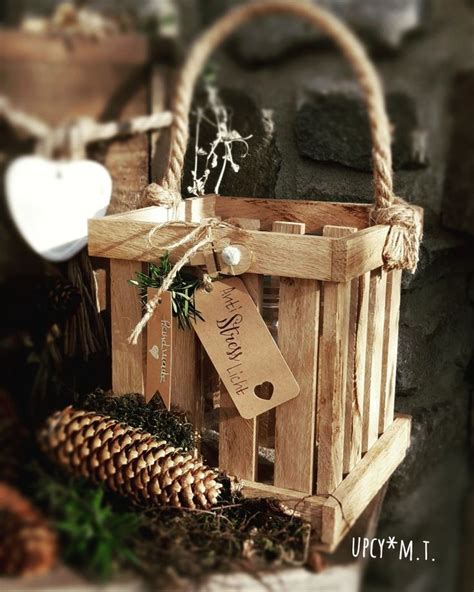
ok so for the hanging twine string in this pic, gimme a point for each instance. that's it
(200, 236)
(403, 240)
(73, 138)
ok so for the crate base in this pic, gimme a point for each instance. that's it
(332, 516)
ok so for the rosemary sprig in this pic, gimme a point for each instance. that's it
(183, 290)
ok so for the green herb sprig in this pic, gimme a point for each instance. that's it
(182, 290)
(95, 535)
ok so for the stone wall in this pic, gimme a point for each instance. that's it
(291, 90)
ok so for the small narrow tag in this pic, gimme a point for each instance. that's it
(159, 349)
(242, 349)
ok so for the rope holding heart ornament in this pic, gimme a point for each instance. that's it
(403, 241)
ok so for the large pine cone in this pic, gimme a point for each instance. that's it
(27, 544)
(128, 460)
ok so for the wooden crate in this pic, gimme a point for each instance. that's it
(338, 442)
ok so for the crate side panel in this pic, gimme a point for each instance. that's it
(238, 448)
(273, 253)
(128, 361)
(332, 373)
(373, 369)
(298, 324)
(356, 388)
(315, 215)
(355, 493)
(390, 348)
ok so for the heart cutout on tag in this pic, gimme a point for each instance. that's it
(50, 202)
(264, 390)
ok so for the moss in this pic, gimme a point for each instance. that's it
(166, 545)
(153, 417)
(249, 534)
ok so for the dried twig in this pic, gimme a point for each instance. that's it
(218, 116)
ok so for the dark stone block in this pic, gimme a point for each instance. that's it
(458, 204)
(334, 128)
(431, 366)
(430, 512)
(258, 171)
(443, 253)
(438, 431)
(382, 24)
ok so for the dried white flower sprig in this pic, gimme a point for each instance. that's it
(217, 115)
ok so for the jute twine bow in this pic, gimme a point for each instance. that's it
(72, 138)
(199, 236)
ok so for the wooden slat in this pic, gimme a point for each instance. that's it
(373, 372)
(18, 46)
(359, 252)
(311, 257)
(332, 373)
(101, 278)
(127, 360)
(350, 499)
(298, 323)
(238, 447)
(188, 209)
(159, 363)
(354, 416)
(390, 347)
(186, 381)
(315, 215)
(274, 254)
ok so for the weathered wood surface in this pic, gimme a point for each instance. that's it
(20, 46)
(298, 325)
(349, 371)
(349, 500)
(332, 375)
(105, 80)
(315, 215)
(128, 361)
(274, 254)
(374, 358)
(390, 349)
(238, 449)
(356, 382)
(127, 236)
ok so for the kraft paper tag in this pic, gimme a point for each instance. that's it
(242, 349)
(159, 349)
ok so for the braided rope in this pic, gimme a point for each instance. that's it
(73, 137)
(401, 249)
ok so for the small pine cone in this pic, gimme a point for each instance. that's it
(128, 460)
(27, 546)
(63, 297)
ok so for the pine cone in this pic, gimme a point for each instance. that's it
(128, 460)
(63, 297)
(27, 545)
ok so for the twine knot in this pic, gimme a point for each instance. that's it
(401, 250)
(158, 195)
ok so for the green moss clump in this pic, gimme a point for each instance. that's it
(153, 417)
(96, 534)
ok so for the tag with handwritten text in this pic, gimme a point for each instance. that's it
(242, 349)
(159, 349)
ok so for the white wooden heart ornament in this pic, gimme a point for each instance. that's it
(50, 202)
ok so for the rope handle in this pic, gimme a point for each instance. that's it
(321, 19)
(401, 250)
